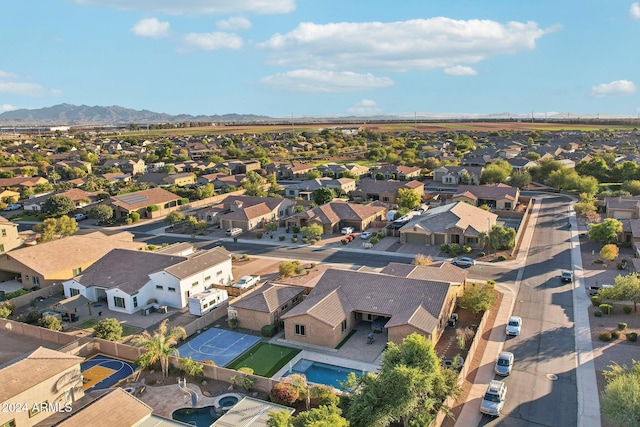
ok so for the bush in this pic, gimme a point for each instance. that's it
(595, 300)
(183, 201)
(152, 208)
(455, 249)
(281, 238)
(466, 249)
(284, 394)
(615, 334)
(481, 254)
(632, 336)
(191, 367)
(30, 317)
(6, 309)
(606, 308)
(373, 240)
(108, 329)
(622, 325)
(296, 230)
(597, 313)
(605, 336)
(135, 216)
(268, 330)
(627, 309)
(444, 248)
(52, 322)
(380, 235)
(502, 258)
(295, 236)
(259, 235)
(294, 239)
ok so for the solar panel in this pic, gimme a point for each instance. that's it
(133, 198)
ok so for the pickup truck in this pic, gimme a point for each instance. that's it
(246, 282)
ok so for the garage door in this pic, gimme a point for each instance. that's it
(622, 214)
(415, 238)
(439, 239)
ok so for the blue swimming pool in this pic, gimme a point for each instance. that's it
(200, 417)
(322, 373)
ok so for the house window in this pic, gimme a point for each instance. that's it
(118, 302)
(36, 409)
(171, 289)
(4, 232)
(284, 308)
(36, 281)
(74, 291)
(135, 302)
(76, 271)
(507, 205)
(207, 278)
(195, 284)
(344, 325)
(300, 330)
(219, 273)
(385, 198)
(159, 287)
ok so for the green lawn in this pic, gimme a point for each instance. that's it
(264, 358)
(127, 330)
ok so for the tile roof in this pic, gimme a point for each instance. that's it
(341, 291)
(470, 219)
(144, 198)
(70, 252)
(495, 191)
(33, 368)
(198, 262)
(268, 298)
(440, 271)
(333, 212)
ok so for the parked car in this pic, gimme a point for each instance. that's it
(347, 230)
(80, 216)
(566, 276)
(504, 363)
(463, 261)
(514, 325)
(234, 231)
(494, 398)
(246, 282)
(13, 207)
(366, 234)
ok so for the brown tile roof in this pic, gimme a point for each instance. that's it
(24, 373)
(70, 252)
(341, 291)
(144, 198)
(333, 212)
(268, 298)
(440, 271)
(21, 181)
(470, 219)
(495, 191)
(199, 262)
(115, 407)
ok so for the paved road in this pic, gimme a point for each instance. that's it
(542, 388)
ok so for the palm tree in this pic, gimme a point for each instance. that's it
(159, 346)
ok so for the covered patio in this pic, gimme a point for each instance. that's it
(70, 306)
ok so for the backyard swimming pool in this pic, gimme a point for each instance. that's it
(200, 417)
(321, 373)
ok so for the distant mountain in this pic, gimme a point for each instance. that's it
(68, 114)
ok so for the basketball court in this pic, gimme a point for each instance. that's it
(219, 345)
(100, 372)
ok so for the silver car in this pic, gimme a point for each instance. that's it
(514, 326)
(504, 363)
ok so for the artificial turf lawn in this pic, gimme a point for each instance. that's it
(265, 359)
(127, 330)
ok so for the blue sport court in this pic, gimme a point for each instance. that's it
(219, 345)
(100, 372)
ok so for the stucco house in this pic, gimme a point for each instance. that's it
(385, 191)
(334, 215)
(128, 281)
(496, 196)
(440, 271)
(457, 222)
(246, 212)
(399, 172)
(9, 237)
(265, 305)
(623, 207)
(458, 175)
(144, 200)
(132, 167)
(343, 300)
(305, 189)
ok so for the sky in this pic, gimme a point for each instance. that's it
(301, 58)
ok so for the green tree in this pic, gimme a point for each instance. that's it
(632, 186)
(532, 155)
(501, 238)
(605, 232)
(52, 322)
(323, 195)
(159, 346)
(496, 172)
(254, 185)
(57, 205)
(312, 231)
(543, 170)
(477, 298)
(620, 400)
(205, 191)
(289, 268)
(520, 179)
(54, 228)
(625, 288)
(596, 167)
(313, 174)
(108, 329)
(407, 198)
(174, 217)
(609, 252)
(275, 187)
(102, 213)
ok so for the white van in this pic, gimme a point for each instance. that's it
(234, 232)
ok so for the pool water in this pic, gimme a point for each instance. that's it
(201, 417)
(227, 402)
(322, 373)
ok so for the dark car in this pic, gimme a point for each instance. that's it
(566, 276)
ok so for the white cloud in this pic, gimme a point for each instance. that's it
(366, 107)
(460, 70)
(151, 27)
(6, 107)
(234, 23)
(213, 41)
(634, 12)
(178, 7)
(12, 84)
(400, 46)
(325, 81)
(615, 88)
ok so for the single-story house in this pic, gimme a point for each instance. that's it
(264, 305)
(334, 215)
(246, 212)
(150, 203)
(458, 175)
(496, 196)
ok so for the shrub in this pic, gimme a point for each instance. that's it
(481, 254)
(6, 309)
(632, 336)
(295, 236)
(268, 330)
(373, 240)
(135, 216)
(627, 309)
(620, 266)
(152, 208)
(444, 248)
(597, 313)
(595, 300)
(455, 249)
(606, 308)
(304, 239)
(259, 235)
(622, 325)
(108, 329)
(294, 239)
(502, 258)
(466, 249)
(296, 230)
(615, 334)
(17, 293)
(281, 238)
(30, 317)
(52, 322)
(191, 367)
(183, 201)
(605, 336)
(380, 234)
(284, 394)
(244, 381)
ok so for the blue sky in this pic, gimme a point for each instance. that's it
(286, 58)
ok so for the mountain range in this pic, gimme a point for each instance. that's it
(70, 115)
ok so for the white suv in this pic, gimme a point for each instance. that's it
(493, 399)
(347, 230)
